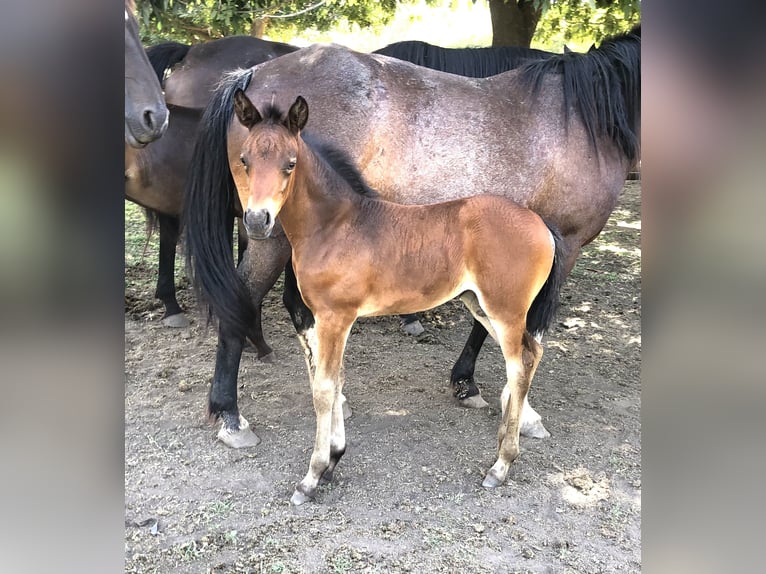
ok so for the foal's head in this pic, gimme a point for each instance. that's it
(269, 157)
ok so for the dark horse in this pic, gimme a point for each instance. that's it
(146, 116)
(557, 135)
(355, 255)
(155, 176)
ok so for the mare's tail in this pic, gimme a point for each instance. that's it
(164, 56)
(210, 199)
(544, 307)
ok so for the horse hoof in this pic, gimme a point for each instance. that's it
(243, 437)
(268, 358)
(346, 411)
(534, 429)
(176, 321)
(491, 481)
(414, 328)
(474, 402)
(299, 498)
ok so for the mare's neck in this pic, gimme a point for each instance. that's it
(317, 199)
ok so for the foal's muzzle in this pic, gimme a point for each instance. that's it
(258, 223)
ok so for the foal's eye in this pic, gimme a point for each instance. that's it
(290, 166)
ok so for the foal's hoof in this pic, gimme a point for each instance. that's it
(533, 429)
(177, 321)
(243, 437)
(474, 402)
(491, 481)
(299, 498)
(414, 328)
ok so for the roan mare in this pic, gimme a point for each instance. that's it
(146, 116)
(556, 135)
(355, 255)
(154, 178)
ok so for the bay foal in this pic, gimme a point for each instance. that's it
(354, 255)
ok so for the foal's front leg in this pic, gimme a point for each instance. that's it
(330, 440)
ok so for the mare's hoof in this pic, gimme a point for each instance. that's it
(268, 358)
(346, 411)
(177, 321)
(299, 498)
(490, 481)
(474, 402)
(534, 429)
(243, 437)
(414, 328)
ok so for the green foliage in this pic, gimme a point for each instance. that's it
(580, 23)
(199, 20)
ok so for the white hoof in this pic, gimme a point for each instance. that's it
(534, 429)
(531, 422)
(474, 402)
(299, 498)
(176, 321)
(242, 438)
(346, 410)
(414, 328)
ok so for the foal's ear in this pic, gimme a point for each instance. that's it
(298, 115)
(245, 110)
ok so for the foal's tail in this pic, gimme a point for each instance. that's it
(544, 307)
(164, 56)
(210, 197)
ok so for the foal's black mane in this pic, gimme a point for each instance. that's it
(335, 158)
(602, 85)
(469, 62)
(341, 163)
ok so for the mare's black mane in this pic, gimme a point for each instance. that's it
(602, 85)
(470, 62)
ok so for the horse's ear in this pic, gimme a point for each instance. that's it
(245, 110)
(298, 115)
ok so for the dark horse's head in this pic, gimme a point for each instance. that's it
(269, 157)
(146, 115)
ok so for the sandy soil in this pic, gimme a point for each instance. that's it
(407, 496)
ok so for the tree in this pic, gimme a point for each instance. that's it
(198, 20)
(517, 22)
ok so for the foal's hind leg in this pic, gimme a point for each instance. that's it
(522, 356)
(465, 387)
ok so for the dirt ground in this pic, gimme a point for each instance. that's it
(407, 496)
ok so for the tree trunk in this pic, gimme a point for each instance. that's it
(258, 27)
(513, 22)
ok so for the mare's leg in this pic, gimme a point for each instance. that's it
(166, 286)
(522, 355)
(260, 268)
(411, 324)
(330, 441)
(461, 377)
(463, 382)
(303, 321)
